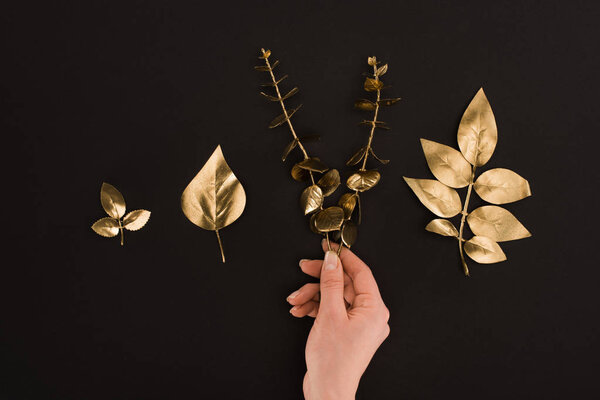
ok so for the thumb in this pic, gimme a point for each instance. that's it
(332, 286)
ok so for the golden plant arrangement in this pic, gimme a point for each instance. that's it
(114, 204)
(477, 137)
(336, 219)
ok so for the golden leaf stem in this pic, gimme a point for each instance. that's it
(373, 123)
(220, 245)
(462, 222)
(121, 231)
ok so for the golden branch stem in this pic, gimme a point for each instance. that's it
(220, 245)
(462, 222)
(373, 122)
(121, 231)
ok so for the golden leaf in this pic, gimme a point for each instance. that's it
(313, 164)
(437, 197)
(300, 174)
(282, 118)
(215, 197)
(377, 158)
(484, 250)
(112, 201)
(388, 102)
(372, 85)
(496, 223)
(365, 105)
(349, 233)
(135, 220)
(347, 201)
(290, 93)
(442, 227)
(378, 124)
(447, 164)
(356, 157)
(276, 63)
(288, 148)
(329, 219)
(312, 225)
(382, 70)
(311, 199)
(329, 182)
(277, 82)
(265, 54)
(501, 185)
(372, 61)
(262, 68)
(363, 180)
(107, 227)
(268, 96)
(477, 132)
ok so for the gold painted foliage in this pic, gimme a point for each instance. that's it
(215, 198)
(477, 137)
(114, 204)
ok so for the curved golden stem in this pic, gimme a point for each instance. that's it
(462, 222)
(220, 245)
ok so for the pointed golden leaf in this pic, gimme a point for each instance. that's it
(349, 233)
(112, 201)
(437, 197)
(288, 148)
(268, 96)
(365, 105)
(313, 164)
(442, 227)
(329, 219)
(372, 61)
(136, 220)
(496, 223)
(372, 85)
(348, 201)
(501, 185)
(377, 158)
(388, 102)
(276, 63)
(382, 70)
(363, 180)
(311, 199)
(276, 82)
(281, 119)
(262, 68)
(477, 132)
(484, 250)
(329, 182)
(215, 197)
(356, 157)
(107, 227)
(447, 164)
(300, 174)
(290, 93)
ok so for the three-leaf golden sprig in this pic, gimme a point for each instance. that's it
(477, 137)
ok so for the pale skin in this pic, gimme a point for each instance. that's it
(351, 322)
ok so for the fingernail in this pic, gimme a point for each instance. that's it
(301, 261)
(291, 296)
(330, 261)
(293, 309)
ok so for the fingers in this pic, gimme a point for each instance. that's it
(310, 291)
(310, 308)
(313, 268)
(332, 288)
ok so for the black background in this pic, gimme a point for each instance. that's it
(139, 94)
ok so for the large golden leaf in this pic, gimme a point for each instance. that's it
(496, 223)
(442, 227)
(329, 219)
(447, 164)
(477, 132)
(363, 180)
(112, 201)
(300, 174)
(348, 201)
(484, 250)
(437, 197)
(349, 233)
(329, 182)
(372, 85)
(501, 185)
(107, 227)
(311, 199)
(215, 197)
(136, 219)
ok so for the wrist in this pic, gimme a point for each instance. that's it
(317, 390)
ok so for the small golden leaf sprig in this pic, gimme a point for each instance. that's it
(477, 137)
(215, 198)
(114, 204)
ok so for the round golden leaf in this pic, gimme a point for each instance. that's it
(363, 180)
(329, 219)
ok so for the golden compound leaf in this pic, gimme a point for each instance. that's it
(477, 132)
(447, 164)
(313, 164)
(282, 118)
(372, 85)
(329, 182)
(349, 233)
(348, 201)
(437, 197)
(356, 157)
(329, 219)
(496, 223)
(365, 105)
(288, 149)
(112, 201)
(300, 174)
(501, 185)
(311, 199)
(388, 102)
(107, 227)
(442, 227)
(136, 220)
(363, 180)
(215, 197)
(377, 158)
(484, 250)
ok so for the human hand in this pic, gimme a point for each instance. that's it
(351, 323)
